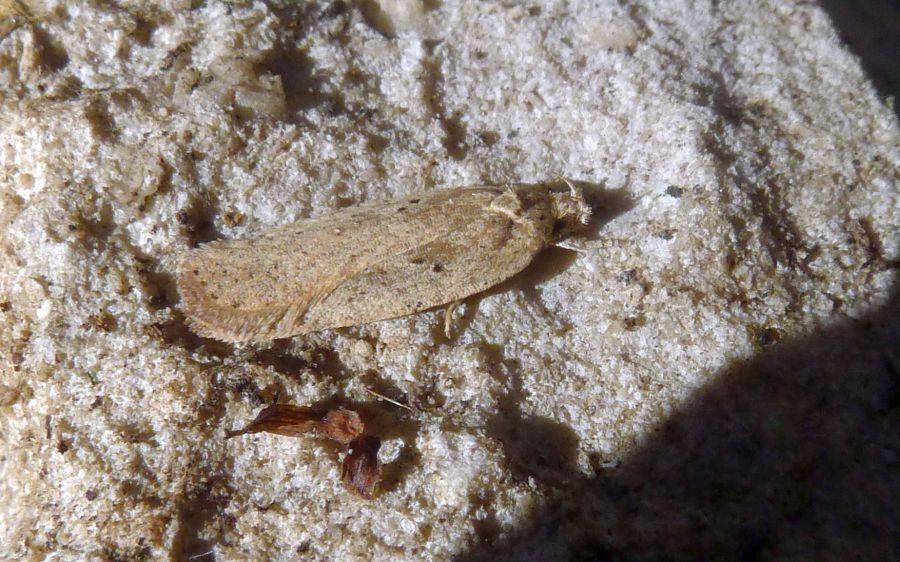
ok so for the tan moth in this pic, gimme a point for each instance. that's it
(372, 262)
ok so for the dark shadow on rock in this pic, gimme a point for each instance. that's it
(606, 204)
(871, 30)
(204, 518)
(51, 54)
(536, 448)
(177, 332)
(197, 219)
(433, 87)
(301, 83)
(292, 358)
(791, 455)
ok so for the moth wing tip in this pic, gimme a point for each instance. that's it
(201, 314)
(209, 320)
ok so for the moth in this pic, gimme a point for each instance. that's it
(372, 262)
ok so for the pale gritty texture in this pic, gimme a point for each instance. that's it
(373, 262)
(714, 378)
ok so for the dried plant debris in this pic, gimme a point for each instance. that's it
(338, 424)
(361, 471)
(341, 425)
(372, 262)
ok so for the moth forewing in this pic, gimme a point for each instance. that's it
(367, 263)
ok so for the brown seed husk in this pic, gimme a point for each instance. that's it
(338, 424)
(283, 419)
(341, 425)
(361, 471)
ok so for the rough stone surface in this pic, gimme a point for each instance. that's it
(718, 377)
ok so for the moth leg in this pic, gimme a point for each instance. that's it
(448, 317)
(580, 246)
(507, 204)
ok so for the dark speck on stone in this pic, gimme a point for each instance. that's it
(674, 191)
(666, 234)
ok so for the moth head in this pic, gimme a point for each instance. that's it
(570, 210)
